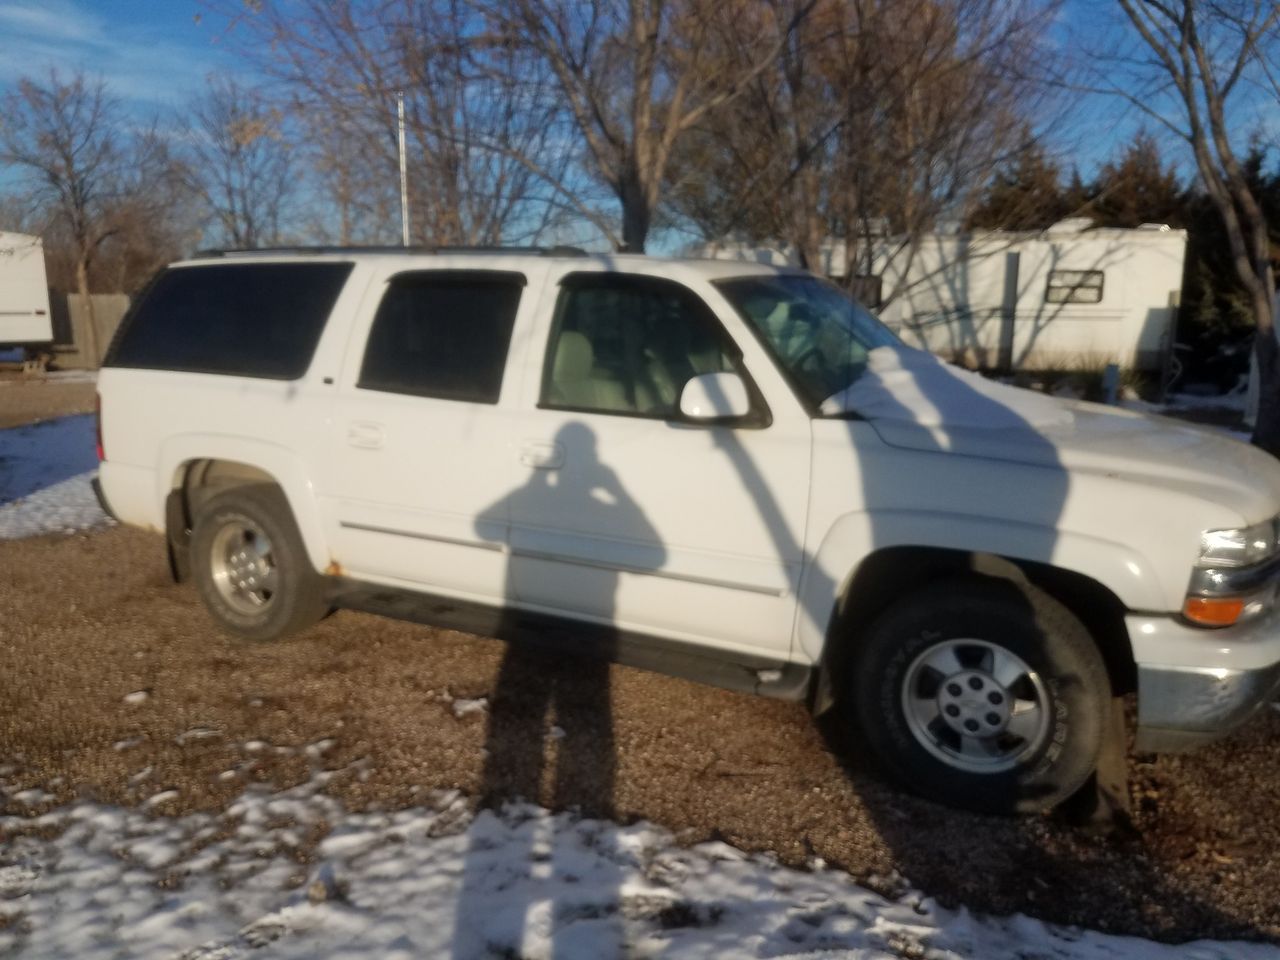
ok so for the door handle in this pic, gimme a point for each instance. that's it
(542, 456)
(363, 433)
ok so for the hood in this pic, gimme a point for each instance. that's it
(915, 401)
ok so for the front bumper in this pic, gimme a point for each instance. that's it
(1196, 684)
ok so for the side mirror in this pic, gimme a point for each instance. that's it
(715, 396)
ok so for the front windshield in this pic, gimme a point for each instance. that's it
(819, 336)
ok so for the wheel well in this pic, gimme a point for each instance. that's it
(198, 480)
(194, 483)
(894, 572)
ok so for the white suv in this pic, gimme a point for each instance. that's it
(720, 470)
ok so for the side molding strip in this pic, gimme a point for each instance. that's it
(369, 528)
(575, 561)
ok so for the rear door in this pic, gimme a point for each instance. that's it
(421, 443)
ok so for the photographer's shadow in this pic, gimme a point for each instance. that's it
(550, 734)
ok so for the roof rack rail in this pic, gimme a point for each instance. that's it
(555, 251)
(559, 250)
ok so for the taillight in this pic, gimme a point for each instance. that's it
(97, 425)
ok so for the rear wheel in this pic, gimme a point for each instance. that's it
(981, 693)
(251, 567)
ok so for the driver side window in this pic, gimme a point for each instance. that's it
(627, 345)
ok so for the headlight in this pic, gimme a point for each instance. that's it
(1241, 547)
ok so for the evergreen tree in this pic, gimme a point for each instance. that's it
(1137, 188)
(1026, 195)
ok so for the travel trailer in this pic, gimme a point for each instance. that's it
(1058, 298)
(25, 320)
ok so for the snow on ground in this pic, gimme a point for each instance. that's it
(45, 470)
(91, 881)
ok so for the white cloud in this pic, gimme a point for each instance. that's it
(54, 19)
(143, 65)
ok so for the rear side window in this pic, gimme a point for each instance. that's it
(247, 319)
(443, 334)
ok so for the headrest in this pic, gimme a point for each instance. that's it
(574, 358)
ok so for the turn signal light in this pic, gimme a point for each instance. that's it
(1213, 611)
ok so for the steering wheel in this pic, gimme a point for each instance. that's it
(811, 355)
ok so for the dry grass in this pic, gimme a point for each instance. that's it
(28, 400)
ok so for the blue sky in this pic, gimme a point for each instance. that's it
(153, 54)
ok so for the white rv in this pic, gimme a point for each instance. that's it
(25, 320)
(1062, 297)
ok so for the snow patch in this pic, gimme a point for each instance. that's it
(463, 707)
(93, 881)
(45, 474)
(316, 750)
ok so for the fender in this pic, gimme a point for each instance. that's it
(856, 536)
(277, 461)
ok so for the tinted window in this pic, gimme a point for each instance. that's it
(629, 345)
(247, 319)
(443, 334)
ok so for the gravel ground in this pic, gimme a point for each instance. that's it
(26, 400)
(116, 686)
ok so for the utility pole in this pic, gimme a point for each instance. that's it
(404, 178)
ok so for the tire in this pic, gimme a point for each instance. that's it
(941, 684)
(251, 568)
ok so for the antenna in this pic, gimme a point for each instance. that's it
(404, 179)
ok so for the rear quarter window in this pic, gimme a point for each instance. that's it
(245, 319)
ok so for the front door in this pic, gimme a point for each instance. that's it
(630, 514)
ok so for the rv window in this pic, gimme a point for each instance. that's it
(1074, 286)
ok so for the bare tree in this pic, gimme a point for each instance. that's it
(64, 136)
(636, 76)
(1191, 64)
(484, 141)
(154, 214)
(879, 121)
(241, 165)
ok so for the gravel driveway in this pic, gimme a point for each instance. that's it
(115, 685)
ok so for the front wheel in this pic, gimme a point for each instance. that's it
(981, 693)
(251, 567)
